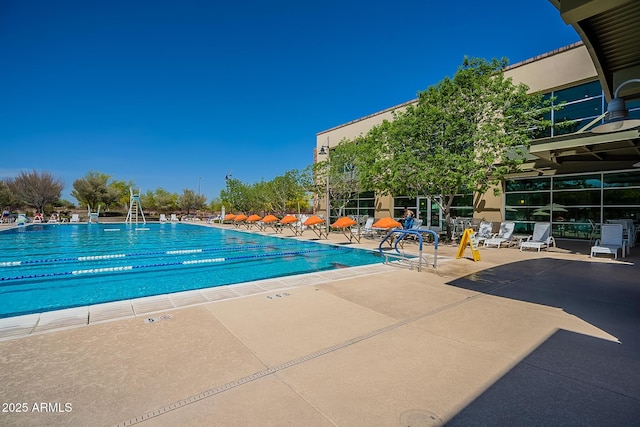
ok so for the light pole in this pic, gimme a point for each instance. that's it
(328, 168)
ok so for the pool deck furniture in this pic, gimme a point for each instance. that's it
(540, 239)
(610, 242)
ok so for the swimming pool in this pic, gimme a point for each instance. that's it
(48, 267)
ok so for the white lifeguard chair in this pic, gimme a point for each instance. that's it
(93, 216)
(135, 208)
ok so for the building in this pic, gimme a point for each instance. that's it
(574, 177)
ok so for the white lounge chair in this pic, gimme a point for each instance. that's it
(163, 218)
(503, 237)
(611, 242)
(74, 218)
(174, 218)
(540, 239)
(485, 231)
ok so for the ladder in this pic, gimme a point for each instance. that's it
(135, 208)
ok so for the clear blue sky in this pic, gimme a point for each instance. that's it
(175, 94)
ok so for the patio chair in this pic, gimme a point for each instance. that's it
(174, 218)
(540, 239)
(270, 221)
(293, 223)
(485, 231)
(611, 241)
(365, 230)
(163, 218)
(503, 237)
(74, 218)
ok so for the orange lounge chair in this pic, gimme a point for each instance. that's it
(385, 225)
(344, 224)
(314, 223)
(239, 220)
(252, 220)
(270, 221)
(228, 218)
(291, 222)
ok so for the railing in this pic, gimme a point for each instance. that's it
(401, 234)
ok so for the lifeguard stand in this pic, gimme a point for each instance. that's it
(135, 208)
(93, 216)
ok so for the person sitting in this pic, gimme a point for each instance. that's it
(408, 219)
(6, 215)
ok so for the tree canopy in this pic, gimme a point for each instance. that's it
(283, 194)
(35, 189)
(342, 167)
(463, 135)
(94, 189)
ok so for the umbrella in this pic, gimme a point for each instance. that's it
(270, 218)
(289, 219)
(554, 207)
(254, 218)
(343, 222)
(229, 217)
(240, 217)
(313, 220)
(386, 222)
(541, 212)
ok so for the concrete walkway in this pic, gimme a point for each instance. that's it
(515, 339)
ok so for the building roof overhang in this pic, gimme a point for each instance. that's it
(584, 152)
(610, 29)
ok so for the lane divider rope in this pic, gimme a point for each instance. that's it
(138, 254)
(166, 264)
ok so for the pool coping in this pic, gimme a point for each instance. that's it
(56, 320)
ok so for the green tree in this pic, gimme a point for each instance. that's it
(463, 134)
(35, 189)
(164, 201)
(8, 199)
(343, 168)
(92, 190)
(118, 194)
(189, 201)
(237, 195)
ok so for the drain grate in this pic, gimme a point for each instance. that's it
(420, 418)
(283, 294)
(158, 319)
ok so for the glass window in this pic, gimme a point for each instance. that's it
(534, 184)
(576, 198)
(367, 203)
(462, 212)
(586, 90)
(404, 202)
(634, 109)
(577, 182)
(575, 115)
(463, 200)
(527, 199)
(627, 196)
(622, 179)
(632, 212)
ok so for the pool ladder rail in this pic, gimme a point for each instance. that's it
(397, 235)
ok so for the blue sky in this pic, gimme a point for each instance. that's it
(175, 94)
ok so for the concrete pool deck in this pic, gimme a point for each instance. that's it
(515, 339)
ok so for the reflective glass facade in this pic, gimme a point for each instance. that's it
(571, 201)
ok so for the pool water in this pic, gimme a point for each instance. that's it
(47, 267)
